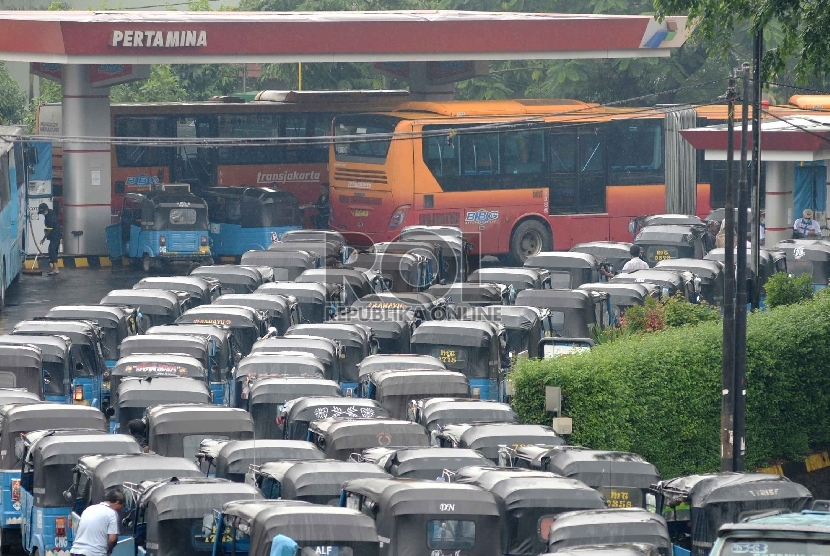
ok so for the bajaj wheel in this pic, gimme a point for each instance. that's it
(146, 263)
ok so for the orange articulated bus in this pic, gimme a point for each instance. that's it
(517, 176)
(298, 168)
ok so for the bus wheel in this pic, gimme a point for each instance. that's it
(146, 263)
(531, 237)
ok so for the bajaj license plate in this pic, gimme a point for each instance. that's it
(360, 213)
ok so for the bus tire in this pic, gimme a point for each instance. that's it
(529, 238)
(146, 263)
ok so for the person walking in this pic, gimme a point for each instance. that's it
(52, 232)
(321, 219)
(635, 262)
(98, 530)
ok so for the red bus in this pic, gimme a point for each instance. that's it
(298, 168)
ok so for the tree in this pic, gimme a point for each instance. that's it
(12, 100)
(804, 29)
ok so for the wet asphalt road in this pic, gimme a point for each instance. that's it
(33, 296)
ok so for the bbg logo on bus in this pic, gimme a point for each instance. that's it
(141, 180)
(481, 216)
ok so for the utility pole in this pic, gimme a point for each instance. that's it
(739, 388)
(727, 417)
(755, 177)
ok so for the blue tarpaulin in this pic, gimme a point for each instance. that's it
(810, 189)
(283, 546)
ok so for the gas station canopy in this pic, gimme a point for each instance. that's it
(70, 37)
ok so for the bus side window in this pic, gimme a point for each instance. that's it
(524, 152)
(5, 184)
(480, 154)
(441, 155)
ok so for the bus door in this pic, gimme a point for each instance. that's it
(191, 164)
(577, 181)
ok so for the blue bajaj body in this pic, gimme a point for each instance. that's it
(234, 240)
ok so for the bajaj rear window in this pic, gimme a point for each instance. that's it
(183, 217)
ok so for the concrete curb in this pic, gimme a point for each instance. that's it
(96, 262)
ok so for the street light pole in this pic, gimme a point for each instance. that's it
(755, 177)
(739, 388)
(728, 371)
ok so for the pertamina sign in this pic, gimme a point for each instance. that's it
(158, 39)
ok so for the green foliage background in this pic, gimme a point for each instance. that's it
(658, 394)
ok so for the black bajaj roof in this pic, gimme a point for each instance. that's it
(53, 349)
(561, 260)
(324, 477)
(413, 497)
(343, 433)
(455, 333)
(347, 334)
(281, 389)
(314, 408)
(114, 471)
(600, 468)
(232, 316)
(162, 390)
(707, 270)
(195, 419)
(236, 456)
(146, 364)
(150, 302)
(609, 526)
(193, 346)
(555, 299)
(394, 362)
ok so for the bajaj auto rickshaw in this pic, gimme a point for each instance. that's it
(295, 417)
(396, 389)
(380, 306)
(807, 258)
(178, 429)
(146, 365)
(330, 253)
(388, 362)
(224, 351)
(402, 273)
(436, 413)
(573, 313)
(168, 517)
(293, 527)
(522, 324)
(623, 478)
(162, 226)
(472, 348)
(319, 482)
(669, 281)
(247, 325)
(15, 421)
(325, 350)
(612, 254)
(243, 218)
(87, 352)
(354, 283)
(623, 296)
(197, 347)
(488, 438)
(282, 311)
(530, 504)
(56, 359)
(317, 301)
(696, 506)
(48, 460)
(284, 364)
(422, 516)
(425, 250)
(340, 437)
(356, 343)
(392, 334)
(567, 269)
(427, 464)
(663, 243)
(231, 459)
(96, 474)
(286, 265)
(708, 276)
(155, 307)
(22, 367)
(269, 395)
(454, 248)
(202, 290)
(609, 526)
(134, 395)
(116, 324)
(473, 294)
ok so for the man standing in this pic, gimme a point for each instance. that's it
(635, 262)
(98, 529)
(52, 232)
(806, 226)
(321, 220)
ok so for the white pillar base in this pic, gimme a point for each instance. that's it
(780, 180)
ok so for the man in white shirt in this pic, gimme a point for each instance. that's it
(635, 262)
(806, 226)
(98, 529)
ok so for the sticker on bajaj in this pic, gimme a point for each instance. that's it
(481, 216)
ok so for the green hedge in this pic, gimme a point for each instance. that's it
(658, 394)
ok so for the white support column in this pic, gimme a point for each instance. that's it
(86, 166)
(780, 181)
